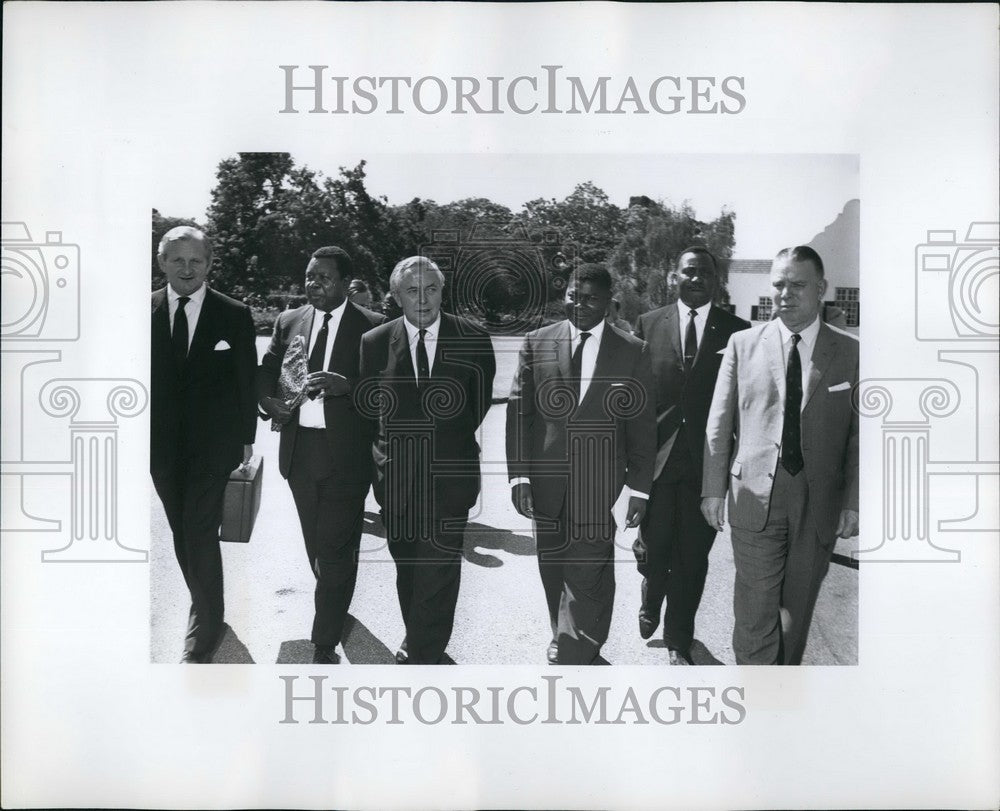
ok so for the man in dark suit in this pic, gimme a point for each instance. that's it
(782, 441)
(325, 443)
(686, 340)
(580, 425)
(203, 419)
(428, 379)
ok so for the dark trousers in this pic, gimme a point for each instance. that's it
(672, 554)
(576, 564)
(331, 513)
(427, 551)
(192, 499)
(782, 566)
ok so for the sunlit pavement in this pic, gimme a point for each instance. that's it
(501, 616)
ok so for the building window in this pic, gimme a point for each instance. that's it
(761, 311)
(849, 300)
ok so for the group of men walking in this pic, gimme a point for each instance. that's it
(695, 407)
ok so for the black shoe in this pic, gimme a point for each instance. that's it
(402, 657)
(649, 619)
(325, 655)
(647, 624)
(552, 653)
(192, 658)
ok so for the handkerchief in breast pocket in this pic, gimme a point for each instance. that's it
(221, 345)
(840, 386)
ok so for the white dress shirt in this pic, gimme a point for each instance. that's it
(311, 413)
(700, 319)
(192, 309)
(590, 349)
(806, 346)
(430, 342)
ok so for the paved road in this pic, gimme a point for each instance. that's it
(501, 617)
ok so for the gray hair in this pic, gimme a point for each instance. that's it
(185, 232)
(411, 263)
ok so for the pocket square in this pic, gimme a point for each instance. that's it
(616, 385)
(840, 387)
(223, 344)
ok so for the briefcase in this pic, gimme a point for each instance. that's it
(242, 501)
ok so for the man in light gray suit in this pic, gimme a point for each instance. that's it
(782, 441)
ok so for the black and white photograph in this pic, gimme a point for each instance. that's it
(513, 273)
(515, 405)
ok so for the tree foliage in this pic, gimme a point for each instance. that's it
(268, 215)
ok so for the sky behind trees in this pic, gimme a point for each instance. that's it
(780, 199)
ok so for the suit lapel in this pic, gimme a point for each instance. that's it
(822, 354)
(711, 339)
(204, 330)
(772, 346)
(564, 352)
(161, 317)
(399, 363)
(341, 356)
(673, 326)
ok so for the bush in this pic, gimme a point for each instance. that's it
(263, 319)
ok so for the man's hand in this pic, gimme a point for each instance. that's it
(636, 511)
(713, 507)
(326, 384)
(520, 495)
(847, 526)
(276, 409)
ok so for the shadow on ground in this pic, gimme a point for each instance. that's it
(231, 651)
(700, 655)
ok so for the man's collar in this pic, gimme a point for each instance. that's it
(337, 312)
(595, 332)
(198, 296)
(808, 335)
(414, 332)
(702, 311)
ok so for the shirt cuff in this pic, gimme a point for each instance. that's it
(519, 480)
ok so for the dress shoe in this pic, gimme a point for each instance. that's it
(552, 653)
(649, 620)
(325, 655)
(677, 657)
(647, 624)
(192, 658)
(402, 657)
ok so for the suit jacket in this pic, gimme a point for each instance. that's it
(429, 432)
(588, 449)
(743, 437)
(208, 412)
(682, 396)
(348, 432)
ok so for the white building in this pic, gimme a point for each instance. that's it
(838, 245)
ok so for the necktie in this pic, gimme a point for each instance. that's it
(319, 349)
(423, 364)
(577, 362)
(690, 341)
(179, 338)
(791, 432)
